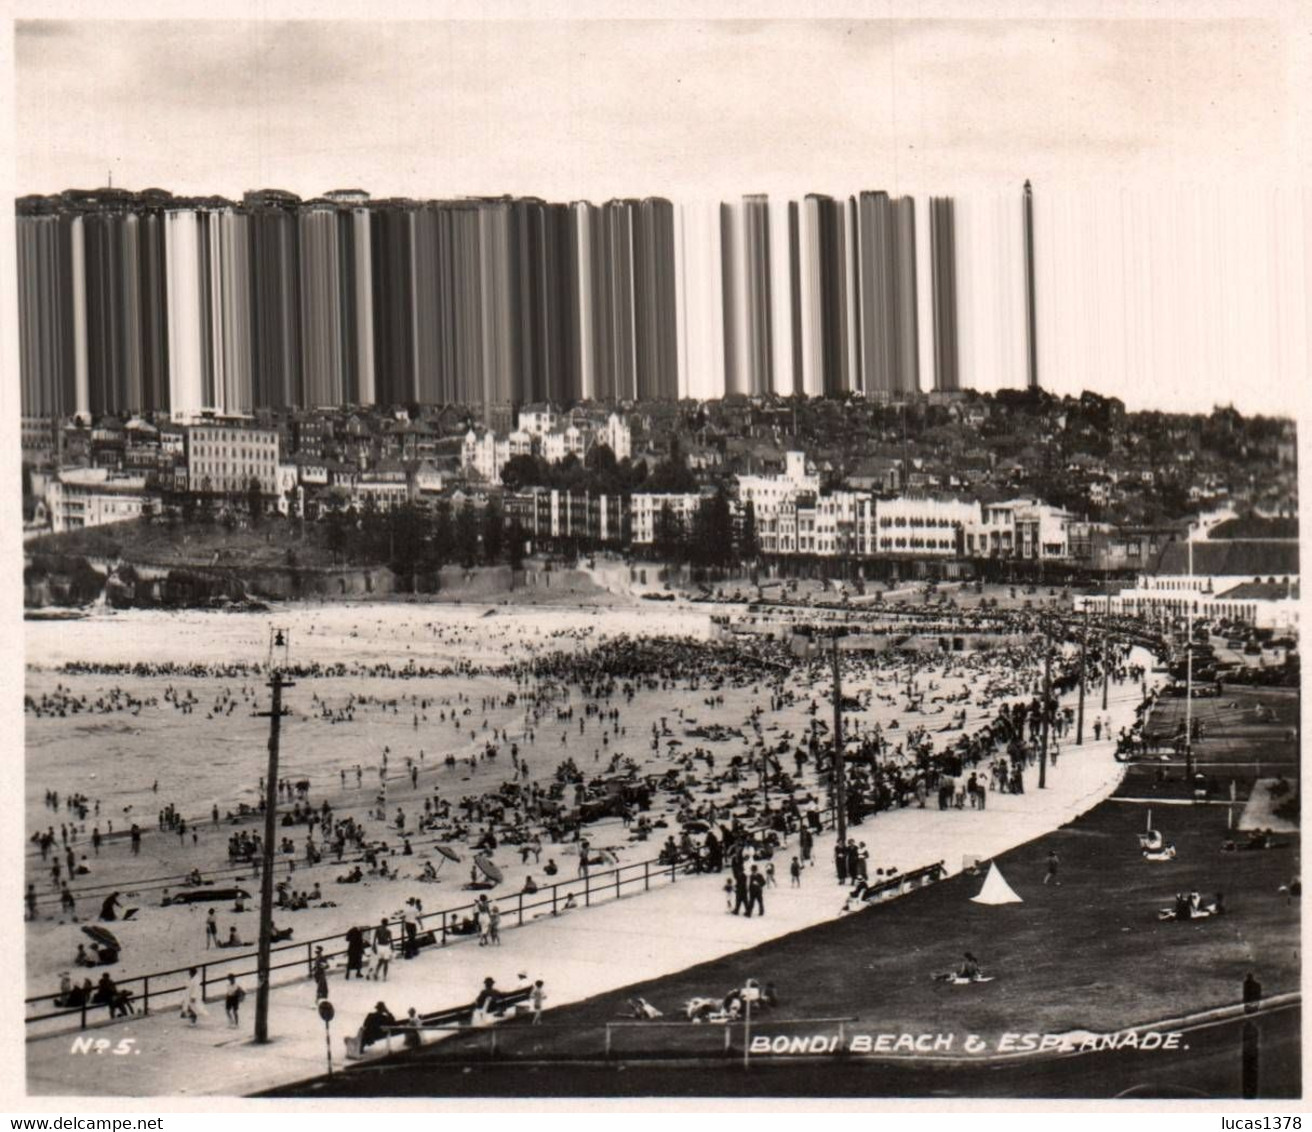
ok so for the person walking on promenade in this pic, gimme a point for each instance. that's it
(193, 997)
(755, 892)
(382, 955)
(320, 971)
(1053, 862)
(410, 940)
(355, 952)
(232, 1002)
(536, 999)
(211, 931)
(741, 900)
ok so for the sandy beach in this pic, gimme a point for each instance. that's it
(203, 745)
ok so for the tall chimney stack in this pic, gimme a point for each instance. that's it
(1031, 322)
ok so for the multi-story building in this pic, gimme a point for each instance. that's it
(91, 497)
(551, 513)
(484, 455)
(383, 488)
(561, 442)
(1026, 529)
(1252, 580)
(226, 458)
(843, 526)
(537, 421)
(774, 503)
(925, 527)
(38, 439)
(616, 435)
(646, 509)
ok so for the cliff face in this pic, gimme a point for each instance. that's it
(75, 580)
(124, 581)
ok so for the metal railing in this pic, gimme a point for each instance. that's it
(152, 990)
(432, 929)
(512, 1040)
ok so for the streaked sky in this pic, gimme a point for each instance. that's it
(1190, 126)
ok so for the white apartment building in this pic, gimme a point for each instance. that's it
(484, 455)
(617, 436)
(774, 503)
(381, 490)
(1028, 529)
(841, 524)
(91, 497)
(291, 496)
(647, 509)
(536, 422)
(561, 442)
(923, 527)
(224, 458)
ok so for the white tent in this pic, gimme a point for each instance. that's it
(996, 890)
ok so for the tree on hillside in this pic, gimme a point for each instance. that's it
(525, 471)
(600, 459)
(749, 545)
(515, 537)
(466, 536)
(254, 501)
(670, 537)
(408, 541)
(711, 543)
(444, 533)
(335, 525)
(494, 531)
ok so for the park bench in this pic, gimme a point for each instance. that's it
(457, 1016)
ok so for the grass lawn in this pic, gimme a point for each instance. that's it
(1088, 954)
(1237, 743)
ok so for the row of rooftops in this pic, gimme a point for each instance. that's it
(126, 200)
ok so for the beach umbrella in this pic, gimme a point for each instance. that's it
(449, 853)
(488, 869)
(102, 936)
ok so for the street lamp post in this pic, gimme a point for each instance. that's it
(277, 682)
(840, 770)
(1084, 648)
(1047, 698)
(1106, 650)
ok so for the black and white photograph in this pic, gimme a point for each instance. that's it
(705, 551)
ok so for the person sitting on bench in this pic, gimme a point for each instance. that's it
(377, 1024)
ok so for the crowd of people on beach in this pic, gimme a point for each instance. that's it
(710, 793)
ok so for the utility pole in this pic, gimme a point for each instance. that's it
(1189, 675)
(1106, 650)
(1047, 697)
(1084, 648)
(840, 770)
(277, 682)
